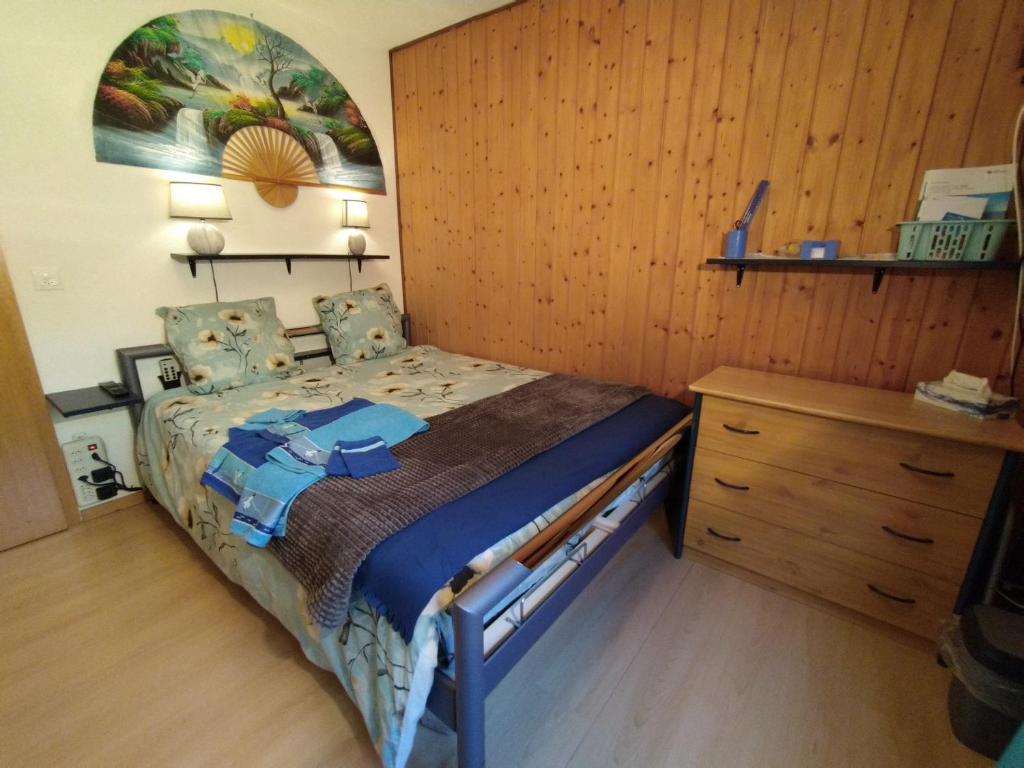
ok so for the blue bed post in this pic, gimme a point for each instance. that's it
(679, 504)
(471, 688)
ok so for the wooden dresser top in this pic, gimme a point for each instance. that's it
(860, 405)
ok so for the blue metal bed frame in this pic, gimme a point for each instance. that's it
(459, 702)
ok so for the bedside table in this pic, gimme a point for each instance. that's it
(76, 402)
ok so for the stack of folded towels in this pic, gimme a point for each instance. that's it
(268, 461)
(966, 394)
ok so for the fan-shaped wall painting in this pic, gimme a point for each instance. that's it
(179, 87)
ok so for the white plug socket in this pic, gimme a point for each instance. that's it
(47, 279)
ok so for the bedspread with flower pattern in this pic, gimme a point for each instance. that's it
(388, 679)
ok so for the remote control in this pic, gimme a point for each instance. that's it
(114, 388)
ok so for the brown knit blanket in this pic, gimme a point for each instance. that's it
(335, 524)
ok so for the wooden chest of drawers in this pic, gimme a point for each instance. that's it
(861, 497)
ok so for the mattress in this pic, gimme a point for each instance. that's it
(387, 678)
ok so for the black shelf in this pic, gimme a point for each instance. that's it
(877, 266)
(76, 402)
(287, 258)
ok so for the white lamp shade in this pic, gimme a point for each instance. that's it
(198, 201)
(355, 213)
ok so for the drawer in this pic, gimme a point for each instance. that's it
(900, 532)
(902, 597)
(927, 470)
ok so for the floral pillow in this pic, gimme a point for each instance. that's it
(361, 325)
(229, 344)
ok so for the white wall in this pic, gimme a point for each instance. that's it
(105, 227)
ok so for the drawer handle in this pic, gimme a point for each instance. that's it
(740, 431)
(907, 536)
(929, 472)
(731, 486)
(722, 536)
(888, 596)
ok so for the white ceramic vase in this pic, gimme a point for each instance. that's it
(357, 244)
(205, 239)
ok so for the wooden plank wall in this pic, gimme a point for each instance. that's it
(565, 167)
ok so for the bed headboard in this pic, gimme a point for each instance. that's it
(130, 358)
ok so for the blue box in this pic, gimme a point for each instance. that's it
(819, 250)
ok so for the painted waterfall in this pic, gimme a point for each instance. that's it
(176, 89)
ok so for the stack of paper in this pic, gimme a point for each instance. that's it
(966, 394)
(966, 193)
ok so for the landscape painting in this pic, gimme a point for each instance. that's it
(179, 87)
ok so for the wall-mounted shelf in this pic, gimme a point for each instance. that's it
(878, 267)
(287, 258)
(76, 402)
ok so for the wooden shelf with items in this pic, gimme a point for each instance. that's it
(878, 267)
(287, 258)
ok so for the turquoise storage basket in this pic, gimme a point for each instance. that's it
(951, 240)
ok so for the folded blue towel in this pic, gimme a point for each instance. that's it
(336, 466)
(363, 458)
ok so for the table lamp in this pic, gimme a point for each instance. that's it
(356, 215)
(190, 200)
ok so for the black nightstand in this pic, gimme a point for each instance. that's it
(75, 402)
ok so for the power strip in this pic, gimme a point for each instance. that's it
(78, 456)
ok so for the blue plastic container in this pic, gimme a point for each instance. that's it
(977, 240)
(736, 243)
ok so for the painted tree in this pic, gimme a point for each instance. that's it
(271, 48)
(308, 85)
(310, 82)
(158, 37)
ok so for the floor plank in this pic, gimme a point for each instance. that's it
(735, 675)
(121, 644)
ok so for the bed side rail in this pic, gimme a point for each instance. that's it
(537, 549)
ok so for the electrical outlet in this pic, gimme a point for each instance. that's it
(47, 279)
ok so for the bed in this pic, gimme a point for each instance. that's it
(474, 628)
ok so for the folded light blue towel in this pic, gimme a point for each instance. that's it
(271, 416)
(270, 489)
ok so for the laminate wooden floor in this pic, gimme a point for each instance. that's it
(121, 645)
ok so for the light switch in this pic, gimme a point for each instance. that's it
(47, 279)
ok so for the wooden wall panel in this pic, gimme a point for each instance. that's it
(602, 171)
(558, 206)
(586, 123)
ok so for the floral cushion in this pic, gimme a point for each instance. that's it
(229, 344)
(361, 325)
